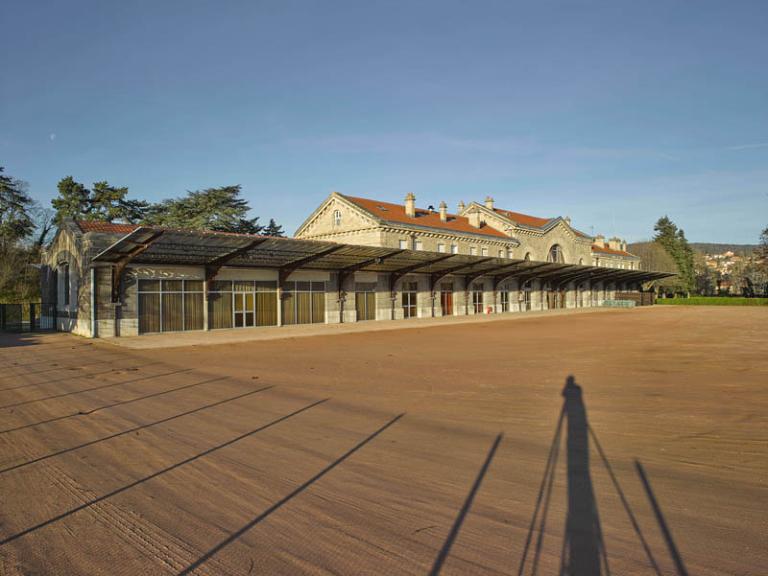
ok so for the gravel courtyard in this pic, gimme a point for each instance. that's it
(450, 449)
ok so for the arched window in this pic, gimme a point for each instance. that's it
(555, 254)
(581, 261)
(63, 276)
(337, 217)
(527, 256)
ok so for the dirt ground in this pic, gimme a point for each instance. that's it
(419, 451)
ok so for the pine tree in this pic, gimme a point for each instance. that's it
(674, 242)
(273, 229)
(210, 209)
(73, 200)
(103, 202)
(15, 210)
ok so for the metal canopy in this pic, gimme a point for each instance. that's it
(160, 246)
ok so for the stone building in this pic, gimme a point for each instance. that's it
(476, 229)
(384, 262)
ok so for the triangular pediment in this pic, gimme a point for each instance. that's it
(321, 221)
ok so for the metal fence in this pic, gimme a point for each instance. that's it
(639, 298)
(27, 317)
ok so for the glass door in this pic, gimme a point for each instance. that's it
(504, 300)
(477, 298)
(410, 290)
(244, 309)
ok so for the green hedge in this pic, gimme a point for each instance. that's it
(714, 301)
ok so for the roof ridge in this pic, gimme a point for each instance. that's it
(391, 212)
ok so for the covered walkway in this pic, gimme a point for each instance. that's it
(167, 280)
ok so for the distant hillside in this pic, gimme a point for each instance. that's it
(740, 249)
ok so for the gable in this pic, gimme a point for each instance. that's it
(323, 219)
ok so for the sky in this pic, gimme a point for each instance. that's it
(613, 113)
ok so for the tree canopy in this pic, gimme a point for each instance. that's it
(15, 210)
(219, 209)
(18, 222)
(673, 240)
(103, 202)
(273, 229)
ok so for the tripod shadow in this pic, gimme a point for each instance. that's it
(583, 551)
(583, 544)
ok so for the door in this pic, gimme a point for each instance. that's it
(526, 301)
(504, 300)
(446, 298)
(365, 301)
(477, 298)
(410, 290)
(244, 309)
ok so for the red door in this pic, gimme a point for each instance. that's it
(446, 300)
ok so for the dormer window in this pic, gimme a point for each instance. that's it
(337, 217)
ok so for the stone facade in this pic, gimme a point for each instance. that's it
(82, 289)
(67, 277)
(476, 229)
(357, 226)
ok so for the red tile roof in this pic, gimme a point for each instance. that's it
(524, 219)
(396, 213)
(606, 250)
(105, 227)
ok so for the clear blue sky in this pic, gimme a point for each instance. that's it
(613, 113)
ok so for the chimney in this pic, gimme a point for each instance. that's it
(443, 211)
(614, 243)
(600, 240)
(461, 206)
(489, 202)
(474, 218)
(410, 205)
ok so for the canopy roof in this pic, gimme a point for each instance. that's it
(161, 246)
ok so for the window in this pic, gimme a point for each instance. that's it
(303, 302)
(64, 275)
(473, 251)
(484, 251)
(170, 305)
(441, 247)
(527, 256)
(403, 244)
(555, 254)
(337, 217)
(501, 253)
(454, 249)
(418, 245)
